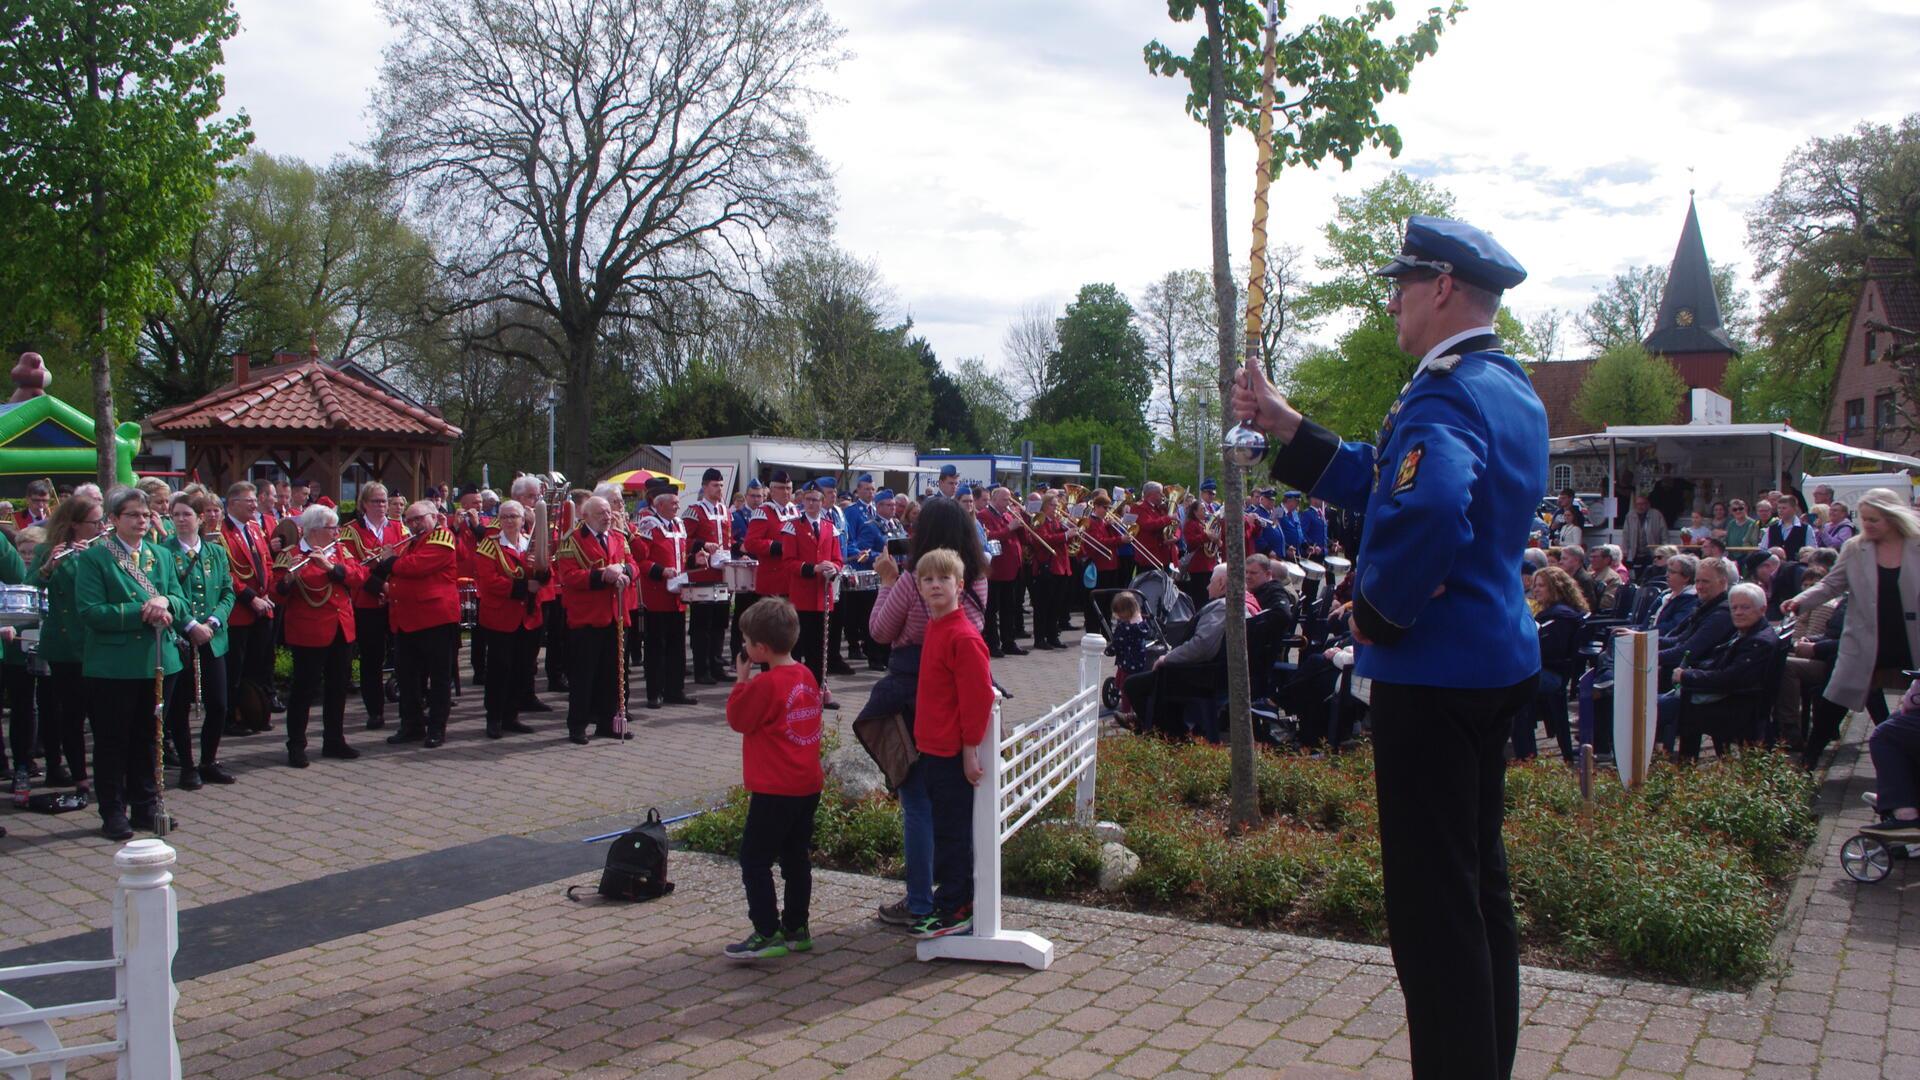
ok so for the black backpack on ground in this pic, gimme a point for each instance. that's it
(636, 863)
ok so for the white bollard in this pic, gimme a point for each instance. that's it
(145, 937)
(1093, 667)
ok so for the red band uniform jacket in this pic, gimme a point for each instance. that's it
(364, 540)
(250, 562)
(707, 523)
(319, 602)
(422, 583)
(768, 543)
(510, 588)
(579, 563)
(1005, 529)
(659, 553)
(809, 543)
(1151, 537)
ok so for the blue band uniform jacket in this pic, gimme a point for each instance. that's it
(1448, 491)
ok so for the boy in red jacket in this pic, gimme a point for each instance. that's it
(952, 707)
(778, 712)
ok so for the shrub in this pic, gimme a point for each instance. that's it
(1050, 859)
(718, 831)
(1350, 893)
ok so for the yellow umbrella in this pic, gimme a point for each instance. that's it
(636, 480)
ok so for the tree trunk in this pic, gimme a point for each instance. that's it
(106, 446)
(576, 413)
(1244, 812)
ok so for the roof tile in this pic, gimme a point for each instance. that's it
(312, 396)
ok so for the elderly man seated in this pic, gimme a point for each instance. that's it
(1271, 593)
(1709, 682)
(1189, 669)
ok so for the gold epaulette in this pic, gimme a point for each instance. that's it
(442, 537)
(285, 560)
(489, 547)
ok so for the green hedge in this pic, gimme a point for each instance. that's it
(1681, 881)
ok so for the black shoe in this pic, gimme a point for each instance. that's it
(653, 703)
(577, 738)
(189, 780)
(995, 652)
(341, 751)
(535, 705)
(296, 759)
(375, 723)
(1043, 645)
(493, 729)
(556, 686)
(682, 699)
(57, 776)
(1014, 650)
(146, 821)
(515, 727)
(404, 736)
(215, 773)
(277, 705)
(703, 680)
(169, 759)
(114, 826)
(235, 731)
(841, 668)
(722, 675)
(433, 742)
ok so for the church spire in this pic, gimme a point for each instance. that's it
(1689, 320)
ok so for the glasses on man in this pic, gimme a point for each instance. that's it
(1400, 283)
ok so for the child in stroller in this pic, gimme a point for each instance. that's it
(1131, 638)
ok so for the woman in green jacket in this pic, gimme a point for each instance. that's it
(208, 588)
(128, 596)
(63, 641)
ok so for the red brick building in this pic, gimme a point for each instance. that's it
(1867, 403)
(1687, 332)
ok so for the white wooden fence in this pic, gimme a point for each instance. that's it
(1031, 766)
(145, 937)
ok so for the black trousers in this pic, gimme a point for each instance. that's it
(249, 660)
(665, 645)
(952, 799)
(1003, 614)
(477, 653)
(741, 602)
(125, 742)
(213, 673)
(63, 719)
(812, 648)
(849, 620)
(511, 654)
(593, 679)
(1440, 772)
(707, 635)
(1051, 591)
(557, 638)
(423, 664)
(321, 673)
(22, 715)
(779, 829)
(1196, 589)
(529, 642)
(370, 637)
(1162, 693)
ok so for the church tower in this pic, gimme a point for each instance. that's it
(1688, 332)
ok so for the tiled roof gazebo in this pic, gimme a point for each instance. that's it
(312, 419)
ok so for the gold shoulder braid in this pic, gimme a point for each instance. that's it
(442, 536)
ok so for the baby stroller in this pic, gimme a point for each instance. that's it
(1168, 612)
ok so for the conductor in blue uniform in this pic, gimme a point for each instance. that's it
(1448, 489)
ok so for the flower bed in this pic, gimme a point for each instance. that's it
(1682, 881)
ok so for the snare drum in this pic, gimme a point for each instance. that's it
(1338, 565)
(993, 549)
(22, 599)
(706, 594)
(1295, 575)
(863, 580)
(741, 574)
(1313, 570)
(469, 604)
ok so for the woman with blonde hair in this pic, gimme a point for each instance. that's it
(1879, 573)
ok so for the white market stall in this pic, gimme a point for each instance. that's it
(1685, 467)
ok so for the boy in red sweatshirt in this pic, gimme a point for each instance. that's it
(952, 708)
(778, 712)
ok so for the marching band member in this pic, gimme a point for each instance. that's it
(812, 555)
(39, 506)
(1201, 557)
(838, 625)
(78, 520)
(207, 585)
(1003, 578)
(660, 562)
(743, 518)
(709, 533)
(766, 539)
(250, 627)
(469, 527)
(1288, 519)
(510, 587)
(423, 605)
(593, 567)
(616, 497)
(370, 531)
(127, 594)
(528, 491)
(1050, 574)
(861, 510)
(1108, 573)
(1152, 548)
(318, 580)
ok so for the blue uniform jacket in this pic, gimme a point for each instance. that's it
(742, 517)
(1448, 493)
(1313, 528)
(1292, 536)
(857, 516)
(869, 545)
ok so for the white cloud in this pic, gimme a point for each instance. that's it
(1004, 151)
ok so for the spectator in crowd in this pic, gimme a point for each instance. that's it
(1131, 636)
(1741, 530)
(1838, 528)
(953, 706)
(1271, 592)
(1573, 559)
(1763, 515)
(1895, 747)
(1718, 520)
(1709, 624)
(1646, 528)
(1681, 596)
(1713, 548)
(1705, 698)
(1790, 531)
(1608, 576)
(1189, 667)
(1569, 521)
(1879, 572)
(1562, 607)
(1700, 529)
(1814, 644)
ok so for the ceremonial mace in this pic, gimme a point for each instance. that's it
(162, 825)
(1245, 444)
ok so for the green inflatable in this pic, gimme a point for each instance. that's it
(43, 436)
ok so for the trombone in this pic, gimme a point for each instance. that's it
(1153, 561)
(1020, 515)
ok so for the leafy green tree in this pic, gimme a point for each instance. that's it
(1100, 369)
(862, 383)
(1839, 201)
(1310, 95)
(1364, 235)
(991, 401)
(1074, 438)
(950, 415)
(112, 149)
(1629, 385)
(1626, 309)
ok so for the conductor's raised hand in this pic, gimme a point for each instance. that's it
(1256, 401)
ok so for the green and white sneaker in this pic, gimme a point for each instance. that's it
(939, 925)
(757, 947)
(800, 940)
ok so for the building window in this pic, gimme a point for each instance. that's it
(1562, 479)
(1856, 420)
(1885, 419)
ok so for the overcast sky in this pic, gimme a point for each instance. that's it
(993, 153)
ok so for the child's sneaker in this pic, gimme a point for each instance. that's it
(757, 947)
(800, 940)
(939, 924)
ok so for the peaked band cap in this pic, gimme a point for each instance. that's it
(883, 495)
(864, 478)
(949, 470)
(753, 484)
(711, 475)
(826, 482)
(780, 477)
(1455, 247)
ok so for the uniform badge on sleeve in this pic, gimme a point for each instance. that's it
(1409, 469)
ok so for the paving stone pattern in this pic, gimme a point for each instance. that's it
(528, 985)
